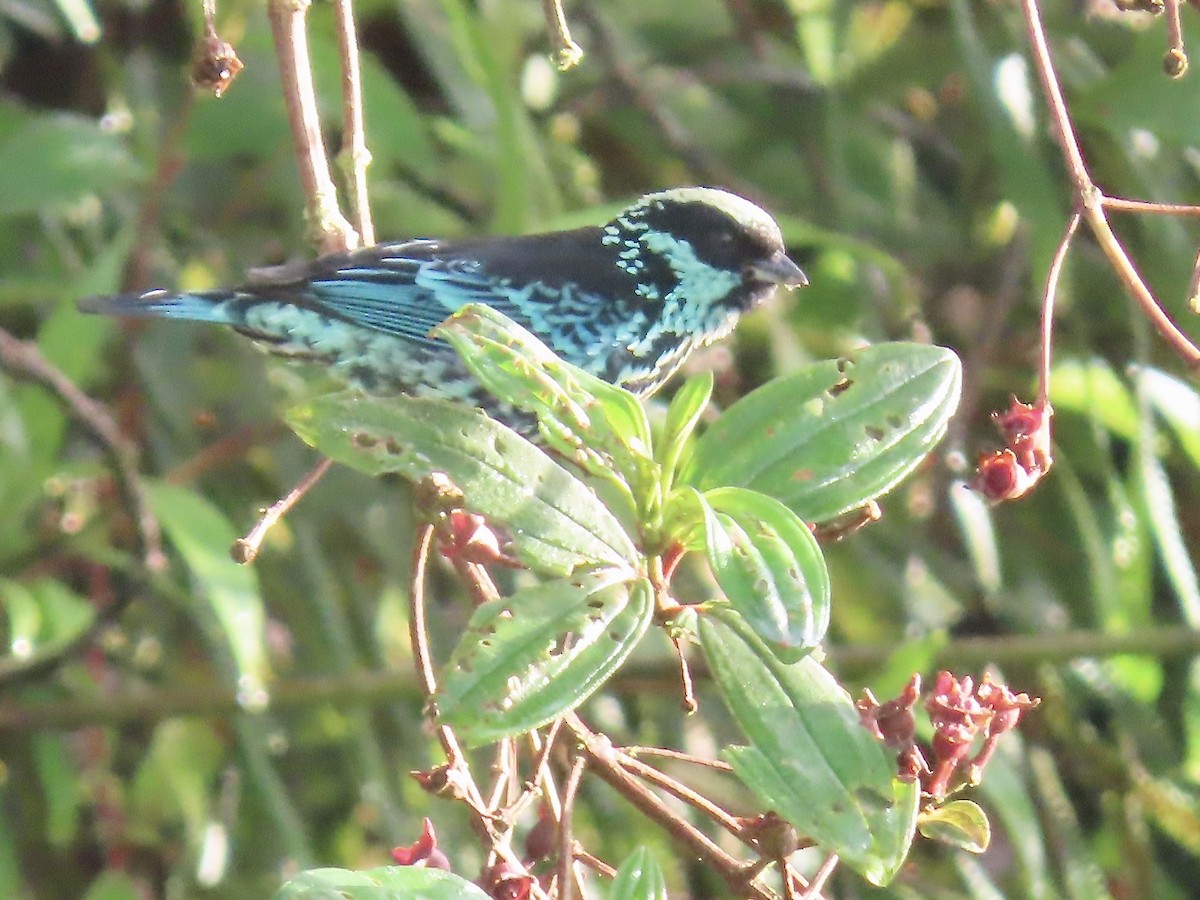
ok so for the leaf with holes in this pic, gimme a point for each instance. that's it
(834, 435)
(528, 658)
(770, 567)
(811, 760)
(555, 522)
(598, 426)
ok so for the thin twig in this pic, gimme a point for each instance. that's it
(330, 230)
(1123, 204)
(566, 841)
(541, 768)
(1048, 297)
(482, 820)
(354, 156)
(677, 789)
(418, 634)
(688, 703)
(637, 752)
(1175, 61)
(246, 549)
(478, 582)
(602, 761)
(23, 360)
(594, 863)
(1089, 199)
(567, 53)
(503, 768)
(818, 882)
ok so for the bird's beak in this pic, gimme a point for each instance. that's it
(778, 270)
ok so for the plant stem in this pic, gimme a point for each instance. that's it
(354, 156)
(329, 228)
(1048, 297)
(245, 549)
(1089, 199)
(567, 53)
(602, 761)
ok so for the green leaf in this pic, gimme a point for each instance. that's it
(1093, 389)
(113, 884)
(684, 519)
(64, 792)
(1179, 405)
(172, 790)
(51, 162)
(40, 617)
(683, 414)
(639, 878)
(385, 883)
(529, 658)
(959, 823)
(832, 436)
(1163, 519)
(978, 533)
(770, 567)
(596, 425)
(811, 760)
(203, 536)
(556, 523)
(1081, 874)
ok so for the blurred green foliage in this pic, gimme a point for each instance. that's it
(902, 146)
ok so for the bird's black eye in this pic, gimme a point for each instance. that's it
(718, 247)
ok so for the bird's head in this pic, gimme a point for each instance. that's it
(702, 247)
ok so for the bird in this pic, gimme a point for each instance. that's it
(627, 301)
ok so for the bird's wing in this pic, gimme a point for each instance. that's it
(408, 289)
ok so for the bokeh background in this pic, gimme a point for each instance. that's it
(904, 148)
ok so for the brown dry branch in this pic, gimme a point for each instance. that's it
(822, 876)
(1090, 201)
(1014, 471)
(665, 753)
(454, 779)
(419, 636)
(568, 873)
(354, 156)
(327, 226)
(1048, 297)
(1175, 61)
(329, 229)
(682, 792)
(566, 53)
(604, 761)
(245, 549)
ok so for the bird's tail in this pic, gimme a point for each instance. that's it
(201, 306)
